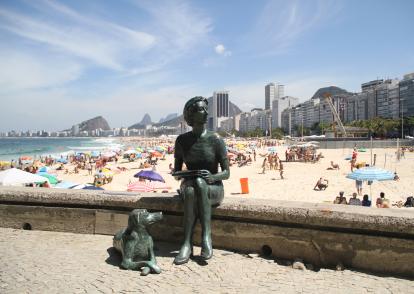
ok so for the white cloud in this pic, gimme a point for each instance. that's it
(99, 42)
(281, 23)
(221, 50)
(22, 70)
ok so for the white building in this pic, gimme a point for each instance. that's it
(278, 105)
(273, 91)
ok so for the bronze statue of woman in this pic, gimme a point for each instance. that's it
(202, 152)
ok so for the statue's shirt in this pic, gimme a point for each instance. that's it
(199, 153)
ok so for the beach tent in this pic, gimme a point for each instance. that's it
(14, 176)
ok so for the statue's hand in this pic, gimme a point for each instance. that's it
(206, 175)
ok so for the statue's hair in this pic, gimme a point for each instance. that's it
(187, 106)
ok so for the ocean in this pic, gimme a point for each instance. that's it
(13, 148)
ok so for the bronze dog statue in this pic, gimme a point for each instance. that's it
(135, 243)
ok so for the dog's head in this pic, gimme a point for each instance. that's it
(143, 218)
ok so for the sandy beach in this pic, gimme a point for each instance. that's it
(299, 177)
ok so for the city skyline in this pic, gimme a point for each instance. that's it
(63, 63)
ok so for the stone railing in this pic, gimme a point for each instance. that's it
(377, 240)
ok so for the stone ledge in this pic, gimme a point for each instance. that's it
(392, 222)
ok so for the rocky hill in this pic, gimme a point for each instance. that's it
(146, 120)
(175, 120)
(92, 124)
(333, 90)
(168, 117)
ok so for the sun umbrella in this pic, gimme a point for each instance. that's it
(371, 174)
(156, 154)
(271, 149)
(91, 187)
(65, 185)
(149, 175)
(16, 176)
(130, 152)
(140, 187)
(26, 158)
(62, 160)
(52, 179)
(109, 154)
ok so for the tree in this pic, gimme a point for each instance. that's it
(277, 133)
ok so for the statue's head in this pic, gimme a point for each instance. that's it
(195, 111)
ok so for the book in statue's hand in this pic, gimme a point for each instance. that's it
(186, 173)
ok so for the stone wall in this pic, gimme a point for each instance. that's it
(378, 240)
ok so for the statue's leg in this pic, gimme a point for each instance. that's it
(204, 208)
(189, 222)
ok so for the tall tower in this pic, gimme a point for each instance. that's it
(218, 108)
(273, 92)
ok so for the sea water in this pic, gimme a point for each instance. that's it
(13, 148)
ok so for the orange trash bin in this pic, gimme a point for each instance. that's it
(244, 182)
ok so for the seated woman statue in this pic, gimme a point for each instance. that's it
(202, 151)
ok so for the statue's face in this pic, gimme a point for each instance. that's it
(199, 112)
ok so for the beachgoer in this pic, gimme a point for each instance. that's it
(366, 201)
(281, 169)
(340, 199)
(396, 177)
(334, 165)
(382, 202)
(264, 166)
(321, 185)
(354, 200)
(254, 154)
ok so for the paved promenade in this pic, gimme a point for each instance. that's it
(52, 262)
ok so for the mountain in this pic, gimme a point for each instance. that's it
(168, 117)
(146, 120)
(332, 90)
(94, 123)
(234, 109)
(175, 120)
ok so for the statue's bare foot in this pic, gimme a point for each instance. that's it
(145, 271)
(206, 248)
(184, 255)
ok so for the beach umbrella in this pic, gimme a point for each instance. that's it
(26, 158)
(109, 154)
(149, 175)
(371, 174)
(95, 153)
(44, 169)
(91, 187)
(65, 185)
(16, 176)
(130, 152)
(156, 154)
(52, 179)
(271, 149)
(62, 160)
(139, 149)
(140, 186)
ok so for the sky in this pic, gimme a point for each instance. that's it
(63, 62)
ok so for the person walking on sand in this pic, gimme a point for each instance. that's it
(264, 166)
(281, 169)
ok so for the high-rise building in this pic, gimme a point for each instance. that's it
(406, 95)
(272, 92)
(218, 107)
(278, 105)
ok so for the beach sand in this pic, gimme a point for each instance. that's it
(300, 178)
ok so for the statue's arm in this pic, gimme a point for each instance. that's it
(221, 154)
(178, 156)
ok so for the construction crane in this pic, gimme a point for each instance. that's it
(335, 114)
